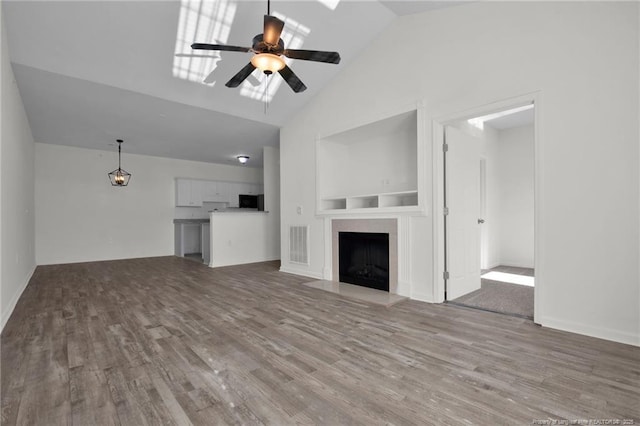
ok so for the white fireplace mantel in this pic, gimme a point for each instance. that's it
(398, 228)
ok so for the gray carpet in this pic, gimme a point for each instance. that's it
(501, 297)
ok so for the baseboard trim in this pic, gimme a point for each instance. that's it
(516, 264)
(587, 330)
(211, 264)
(421, 297)
(302, 272)
(14, 300)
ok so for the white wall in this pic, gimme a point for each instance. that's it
(507, 236)
(271, 168)
(491, 229)
(17, 241)
(81, 217)
(582, 59)
(515, 164)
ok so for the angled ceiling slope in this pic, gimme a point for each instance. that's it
(91, 72)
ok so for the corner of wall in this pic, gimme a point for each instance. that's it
(6, 312)
(17, 183)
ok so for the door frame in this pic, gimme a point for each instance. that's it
(483, 210)
(438, 180)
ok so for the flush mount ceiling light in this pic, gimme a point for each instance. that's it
(242, 159)
(119, 177)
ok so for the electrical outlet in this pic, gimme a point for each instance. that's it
(299, 210)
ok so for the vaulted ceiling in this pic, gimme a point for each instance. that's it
(90, 72)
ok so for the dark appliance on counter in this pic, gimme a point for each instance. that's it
(246, 201)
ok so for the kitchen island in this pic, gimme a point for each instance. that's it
(242, 236)
(228, 237)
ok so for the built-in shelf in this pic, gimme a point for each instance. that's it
(399, 199)
(334, 203)
(390, 200)
(376, 163)
(362, 202)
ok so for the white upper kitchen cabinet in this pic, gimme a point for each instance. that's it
(188, 193)
(249, 188)
(215, 191)
(193, 192)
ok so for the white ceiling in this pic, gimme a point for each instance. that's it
(90, 72)
(515, 119)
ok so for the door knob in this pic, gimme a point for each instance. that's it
(480, 220)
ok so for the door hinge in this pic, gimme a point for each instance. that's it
(445, 211)
(445, 147)
(445, 275)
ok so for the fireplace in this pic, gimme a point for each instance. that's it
(364, 259)
(363, 226)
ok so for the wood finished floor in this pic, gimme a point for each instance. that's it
(169, 341)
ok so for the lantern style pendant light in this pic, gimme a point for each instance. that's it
(119, 177)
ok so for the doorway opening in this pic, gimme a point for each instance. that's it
(489, 214)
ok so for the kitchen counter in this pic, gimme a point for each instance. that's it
(237, 211)
(195, 221)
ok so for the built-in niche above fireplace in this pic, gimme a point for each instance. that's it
(373, 166)
(364, 259)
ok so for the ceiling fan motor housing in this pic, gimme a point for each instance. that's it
(261, 46)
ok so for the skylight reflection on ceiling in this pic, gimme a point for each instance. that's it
(293, 35)
(331, 4)
(206, 21)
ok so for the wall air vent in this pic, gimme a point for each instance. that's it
(299, 244)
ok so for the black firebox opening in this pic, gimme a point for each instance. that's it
(364, 259)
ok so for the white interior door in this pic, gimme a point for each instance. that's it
(463, 201)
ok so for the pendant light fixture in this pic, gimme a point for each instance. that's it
(119, 177)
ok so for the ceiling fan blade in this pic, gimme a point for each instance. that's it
(241, 76)
(272, 29)
(313, 55)
(205, 46)
(292, 80)
(189, 55)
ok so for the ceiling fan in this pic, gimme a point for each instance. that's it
(268, 49)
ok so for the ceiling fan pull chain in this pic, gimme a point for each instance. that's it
(266, 93)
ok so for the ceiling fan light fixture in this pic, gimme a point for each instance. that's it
(243, 159)
(268, 62)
